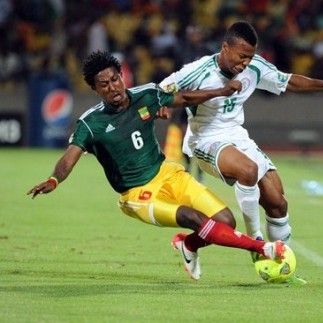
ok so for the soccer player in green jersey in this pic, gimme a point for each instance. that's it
(119, 131)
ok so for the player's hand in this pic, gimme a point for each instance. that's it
(232, 87)
(43, 188)
(163, 113)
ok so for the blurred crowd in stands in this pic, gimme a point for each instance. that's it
(151, 37)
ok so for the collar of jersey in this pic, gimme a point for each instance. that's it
(218, 69)
(110, 109)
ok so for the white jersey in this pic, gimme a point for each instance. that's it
(223, 116)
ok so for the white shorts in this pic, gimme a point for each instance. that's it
(207, 152)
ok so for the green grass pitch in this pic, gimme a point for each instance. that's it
(72, 256)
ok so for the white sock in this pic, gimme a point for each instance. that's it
(248, 200)
(278, 229)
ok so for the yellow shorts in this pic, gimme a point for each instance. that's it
(157, 201)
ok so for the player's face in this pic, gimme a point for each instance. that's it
(237, 56)
(110, 86)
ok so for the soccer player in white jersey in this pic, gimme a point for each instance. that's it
(216, 135)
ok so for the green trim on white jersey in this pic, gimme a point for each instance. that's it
(263, 61)
(256, 70)
(218, 116)
(200, 154)
(195, 74)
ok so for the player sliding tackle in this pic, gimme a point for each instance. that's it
(119, 131)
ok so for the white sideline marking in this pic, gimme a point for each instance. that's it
(307, 253)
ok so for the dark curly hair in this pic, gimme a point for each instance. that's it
(96, 62)
(241, 29)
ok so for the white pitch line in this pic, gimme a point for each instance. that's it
(307, 253)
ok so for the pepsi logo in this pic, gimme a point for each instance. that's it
(57, 106)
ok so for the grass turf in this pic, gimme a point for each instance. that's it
(72, 256)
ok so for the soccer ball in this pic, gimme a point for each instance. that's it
(276, 271)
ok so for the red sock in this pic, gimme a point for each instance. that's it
(194, 242)
(222, 234)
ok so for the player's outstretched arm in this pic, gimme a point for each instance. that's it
(300, 83)
(62, 169)
(186, 98)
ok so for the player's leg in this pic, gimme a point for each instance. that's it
(199, 197)
(277, 225)
(214, 232)
(211, 221)
(161, 202)
(274, 203)
(202, 199)
(209, 231)
(236, 167)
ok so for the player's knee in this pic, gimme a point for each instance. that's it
(187, 217)
(282, 207)
(249, 174)
(226, 217)
(278, 209)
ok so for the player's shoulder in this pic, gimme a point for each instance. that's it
(145, 88)
(145, 92)
(92, 112)
(261, 63)
(204, 60)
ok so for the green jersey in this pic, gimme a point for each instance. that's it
(124, 142)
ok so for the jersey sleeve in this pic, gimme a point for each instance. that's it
(270, 79)
(153, 97)
(164, 98)
(188, 77)
(158, 98)
(82, 136)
